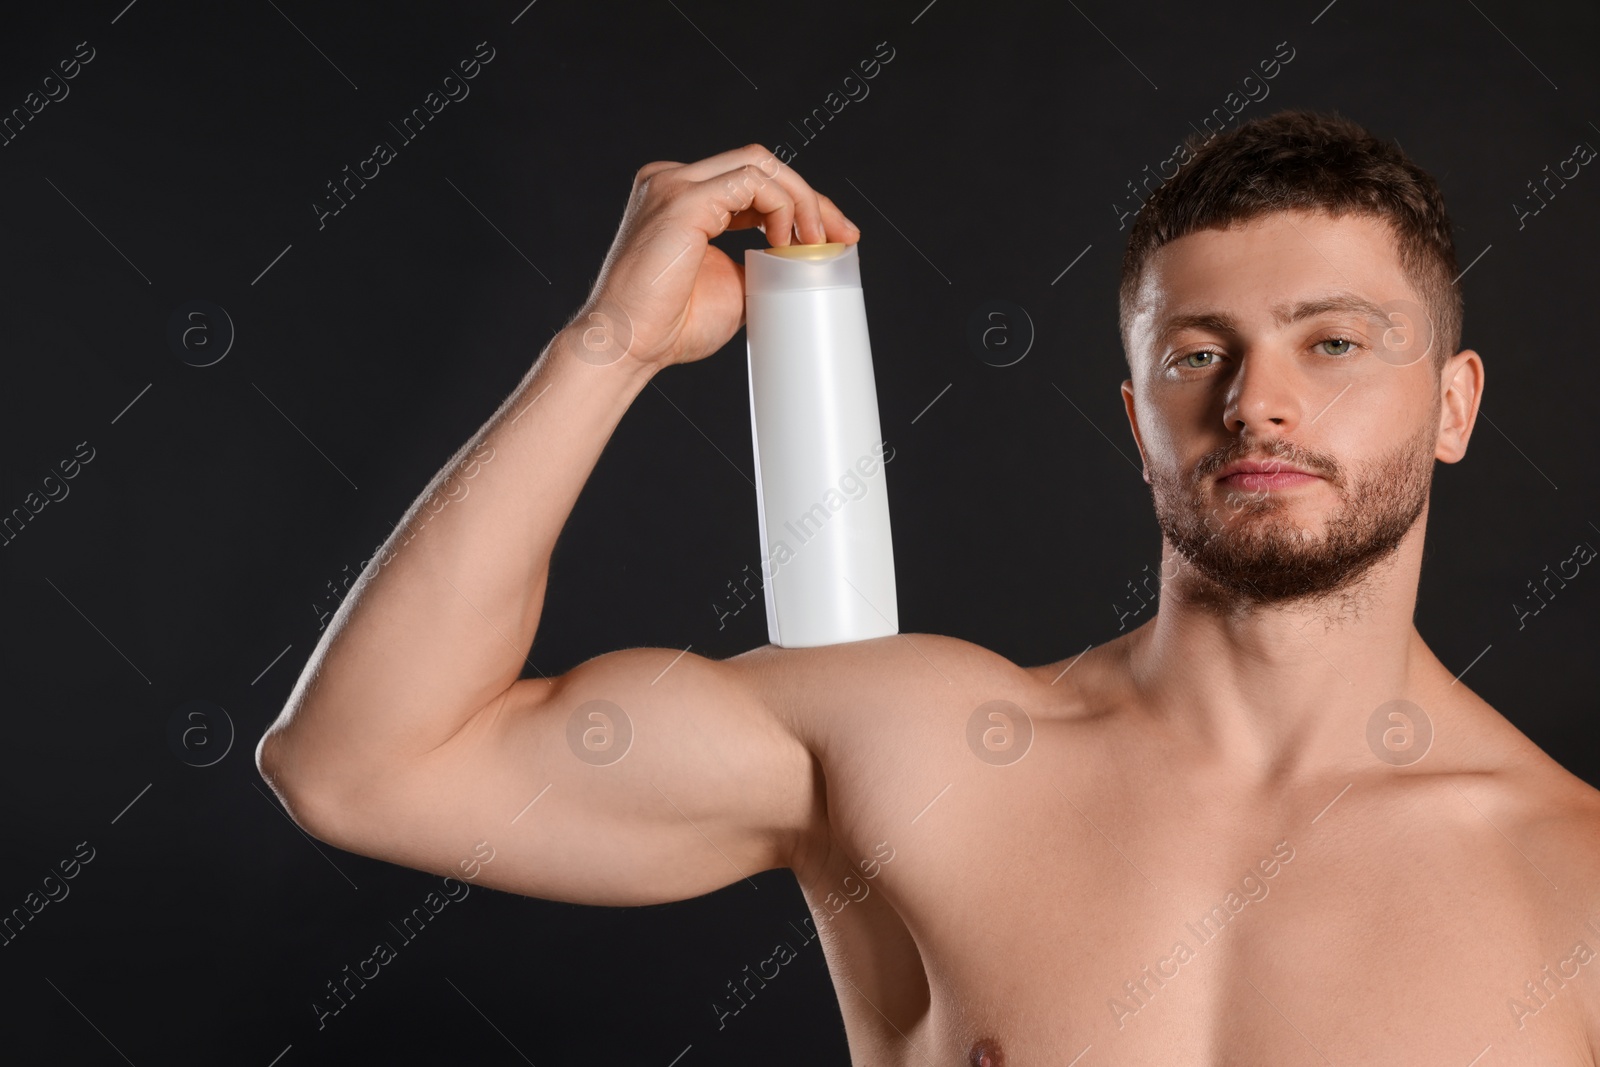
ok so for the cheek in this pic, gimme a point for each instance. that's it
(1361, 420)
(1161, 447)
(1177, 428)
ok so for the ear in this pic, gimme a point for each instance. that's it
(1461, 391)
(1133, 423)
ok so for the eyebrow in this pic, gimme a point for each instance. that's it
(1282, 314)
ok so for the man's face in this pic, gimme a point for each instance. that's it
(1268, 344)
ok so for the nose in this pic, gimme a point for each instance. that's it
(1265, 397)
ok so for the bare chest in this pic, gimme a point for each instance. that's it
(1035, 917)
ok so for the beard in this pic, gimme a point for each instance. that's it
(1262, 556)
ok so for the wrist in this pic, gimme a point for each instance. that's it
(596, 347)
(601, 338)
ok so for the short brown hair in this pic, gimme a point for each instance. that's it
(1302, 160)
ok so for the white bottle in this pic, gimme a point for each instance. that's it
(828, 559)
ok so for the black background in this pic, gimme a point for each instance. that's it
(196, 545)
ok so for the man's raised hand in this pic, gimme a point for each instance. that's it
(665, 294)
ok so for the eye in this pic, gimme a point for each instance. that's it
(1349, 346)
(1183, 361)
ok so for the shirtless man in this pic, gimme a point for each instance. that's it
(1267, 826)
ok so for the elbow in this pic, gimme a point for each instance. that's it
(335, 800)
(311, 804)
(272, 763)
(267, 764)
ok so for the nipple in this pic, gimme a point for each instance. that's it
(986, 1053)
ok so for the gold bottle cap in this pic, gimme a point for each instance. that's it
(826, 250)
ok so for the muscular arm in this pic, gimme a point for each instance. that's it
(409, 735)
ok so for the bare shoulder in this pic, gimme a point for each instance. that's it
(878, 716)
(1520, 785)
(814, 689)
(1551, 818)
(1522, 789)
(1554, 817)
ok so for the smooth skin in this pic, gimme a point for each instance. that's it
(1028, 911)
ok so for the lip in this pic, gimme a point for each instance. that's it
(1268, 474)
(1281, 480)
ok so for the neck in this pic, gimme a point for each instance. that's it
(1280, 689)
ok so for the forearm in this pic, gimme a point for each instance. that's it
(445, 612)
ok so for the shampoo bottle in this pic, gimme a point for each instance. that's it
(821, 493)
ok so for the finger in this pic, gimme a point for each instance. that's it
(754, 164)
(816, 218)
(651, 169)
(745, 190)
(808, 225)
(838, 227)
(732, 159)
(806, 217)
(744, 220)
(747, 219)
